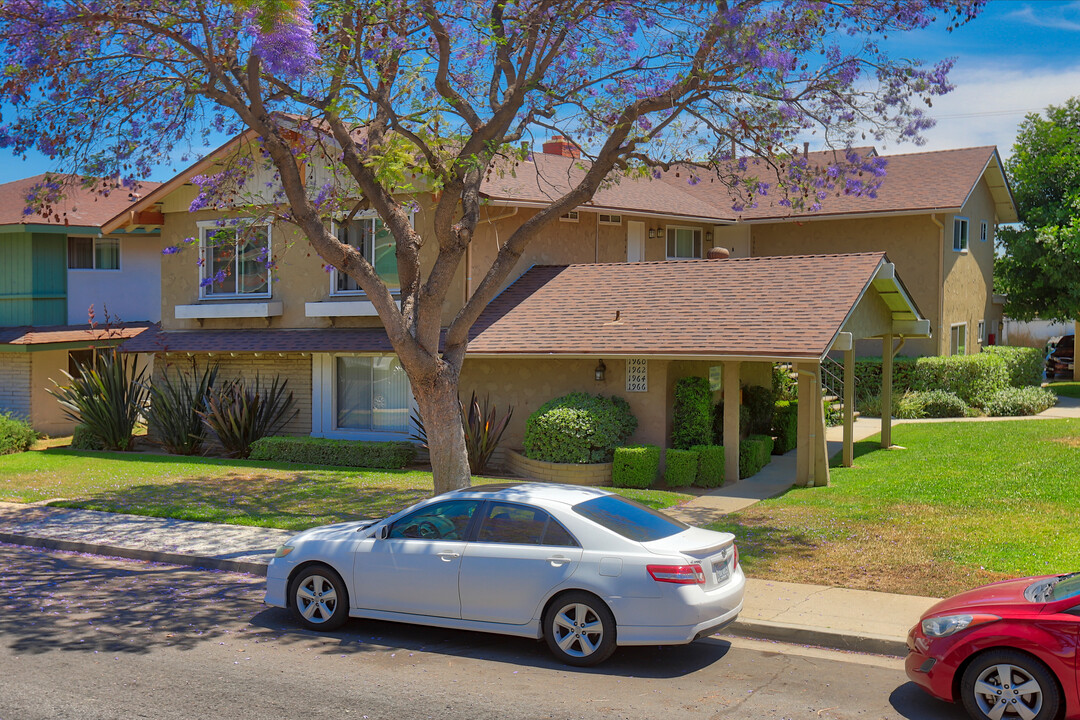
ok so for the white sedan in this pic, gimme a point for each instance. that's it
(584, 568)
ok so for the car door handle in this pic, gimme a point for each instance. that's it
(448, 556)
(558, 560)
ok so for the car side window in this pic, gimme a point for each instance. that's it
(441, 521)
(521, 525)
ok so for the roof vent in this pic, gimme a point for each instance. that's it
(718, 253)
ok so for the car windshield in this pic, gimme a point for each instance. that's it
(628, 518)
(1066, 587)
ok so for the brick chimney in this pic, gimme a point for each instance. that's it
(559, 145)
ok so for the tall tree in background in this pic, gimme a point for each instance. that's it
(421, 99)
(1040, 268)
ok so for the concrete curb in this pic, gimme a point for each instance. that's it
(821, 637)
(209, 563)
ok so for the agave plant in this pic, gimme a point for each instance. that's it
(174, 410)
(239, 414)
(107, 399)
(483, 430)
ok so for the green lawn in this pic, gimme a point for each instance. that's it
(964, 503)
(240, 492)
(1065, 388)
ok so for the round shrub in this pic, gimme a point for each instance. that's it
(15, 435)
(942, 404)
(1019, 401)
(578, 428)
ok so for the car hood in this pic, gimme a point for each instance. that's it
(336, 531)
(1005, 593)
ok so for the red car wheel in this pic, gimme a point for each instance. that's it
(1006, 684)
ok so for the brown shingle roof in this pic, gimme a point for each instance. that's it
(68, 334)
(313, 340)
(747, 307)
(80, 207)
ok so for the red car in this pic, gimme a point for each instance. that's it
(1006, 650)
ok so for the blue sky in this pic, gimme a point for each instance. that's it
(1017, 57)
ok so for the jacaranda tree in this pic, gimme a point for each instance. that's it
(418, 100)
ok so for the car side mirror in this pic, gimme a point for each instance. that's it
(383, 532)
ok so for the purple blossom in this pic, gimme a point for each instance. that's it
(170, 250)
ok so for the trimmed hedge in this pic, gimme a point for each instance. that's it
(760, 402)
(868, 375)
(15, 435)
(710, 469)
(578, 428)
(785, 426)
(972, 378)
(1020, 401)
(1024, 364)
(82, 438)
(942, 404)
(391, 455)
(754, 453)
(635, 466)
(718, 423)
(691, 416)
(681, 467)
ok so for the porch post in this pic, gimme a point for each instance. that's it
(732, 401)
(1076, 365)
(886, 390)
(849, 408)
(804, 447)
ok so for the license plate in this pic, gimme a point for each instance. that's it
(720, 571)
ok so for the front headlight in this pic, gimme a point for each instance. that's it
(283, 550)
(946, 625)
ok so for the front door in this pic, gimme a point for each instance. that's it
(635, 241)
(415, 569)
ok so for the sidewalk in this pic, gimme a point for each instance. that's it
(788, 612)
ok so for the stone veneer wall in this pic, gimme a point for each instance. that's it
(294, 367)
(15, 384)
(574, 474)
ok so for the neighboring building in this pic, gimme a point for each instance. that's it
(66, 289)
(317, 329)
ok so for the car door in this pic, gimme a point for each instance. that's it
(519, 554)
(415, 568)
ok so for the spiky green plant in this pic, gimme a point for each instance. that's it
(175, 403)
(239, 414)
(483, 429)
(107, 398)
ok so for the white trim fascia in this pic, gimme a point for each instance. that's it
(847, 216)
(644, 356)
(625, 212)
(207, 310)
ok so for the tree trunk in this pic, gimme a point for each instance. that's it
(441, 413)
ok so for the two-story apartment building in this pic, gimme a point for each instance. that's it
(220, 303)
(66, 289)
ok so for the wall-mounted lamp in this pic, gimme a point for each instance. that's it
(599, 372)
(652, 233)
(708, 237)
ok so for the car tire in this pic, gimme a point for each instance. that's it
(318, 598)
(579, 629)
(982, 686)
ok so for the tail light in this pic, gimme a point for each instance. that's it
(735, 565)
(678, 574)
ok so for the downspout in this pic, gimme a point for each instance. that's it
(596, 257)
(941, 280)
(468, 249)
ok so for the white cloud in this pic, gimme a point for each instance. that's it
(1059, 17)
(990, 102)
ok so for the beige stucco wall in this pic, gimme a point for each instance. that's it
(969, 276)
(293, 367)
(47, 417)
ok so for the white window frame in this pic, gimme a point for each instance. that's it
(612, 219)
(324, 402)
(570, 217)
(960, 244)
(955, 351)
(984, 230)
(206, 266)
(981, 332)
(368, 215)
(93, 253)
(698, 246)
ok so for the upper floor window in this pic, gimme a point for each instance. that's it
(683, 243)
(958, 339)
(960, 234)
(606, 219)
(571, 216)
(235, 261)
(88, 253)
(982, 332)
(984, 230)
(374, 241)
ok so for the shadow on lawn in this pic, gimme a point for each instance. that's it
(760, 543)
(861, 448)
(295, 502)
